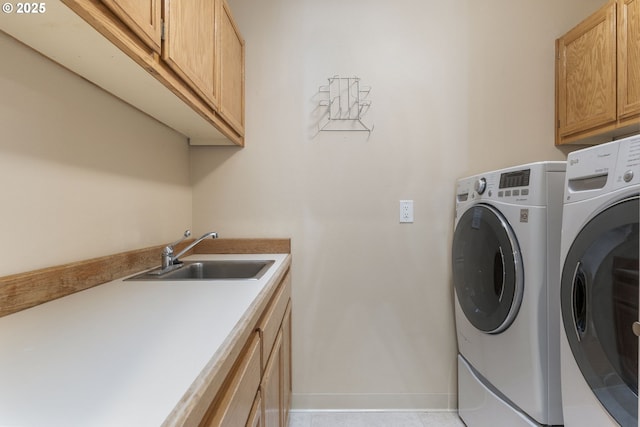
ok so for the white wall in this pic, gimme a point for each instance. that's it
(456, 87)
(83, 174)
(511, 79)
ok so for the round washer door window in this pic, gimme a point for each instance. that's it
(599, 300)
(487, 269)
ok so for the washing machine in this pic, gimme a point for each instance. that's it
(599, 285)
(505, 261)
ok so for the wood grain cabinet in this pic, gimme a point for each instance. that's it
(235, 401)
(275, 330)
(271, 386)
(628, 58)
(142, 17)
(597, 77)
(257, 390)
(190, 47)
(180, 61)
(286, 366)
(231, 69)
(255, 417)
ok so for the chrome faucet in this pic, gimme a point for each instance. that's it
(170, 261)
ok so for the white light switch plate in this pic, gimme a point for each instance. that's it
(406, 211)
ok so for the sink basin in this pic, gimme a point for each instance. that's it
(211, 270)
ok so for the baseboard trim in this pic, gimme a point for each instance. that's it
(352, 402)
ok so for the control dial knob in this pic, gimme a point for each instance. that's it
(480, 185)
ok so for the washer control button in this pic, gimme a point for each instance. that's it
(628, 176)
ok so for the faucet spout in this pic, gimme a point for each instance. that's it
(212, 234)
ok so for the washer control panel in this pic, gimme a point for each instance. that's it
(514, 183)
(524, 184)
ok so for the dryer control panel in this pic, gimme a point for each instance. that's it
(603, 168)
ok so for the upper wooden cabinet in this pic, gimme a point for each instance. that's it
(190, 44)
(587, 73)
(597, 77)
(231, 70)
(142, 16)
(628, 58)
(191, 79)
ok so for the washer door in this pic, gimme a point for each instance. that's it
(599, 299)
(487, 269)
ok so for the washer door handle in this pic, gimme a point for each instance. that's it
(636, 328)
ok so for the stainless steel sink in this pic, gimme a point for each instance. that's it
(211, 270)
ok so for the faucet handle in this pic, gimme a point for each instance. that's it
(169, 247)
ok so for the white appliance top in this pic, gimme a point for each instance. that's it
(602, 169)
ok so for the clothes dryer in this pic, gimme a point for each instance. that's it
(599, 285)
(505, 260)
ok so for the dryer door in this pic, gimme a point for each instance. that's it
(487, 269)
(599, 299)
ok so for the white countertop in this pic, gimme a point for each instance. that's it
(119, 354)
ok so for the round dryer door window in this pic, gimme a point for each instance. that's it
(599, 299)
(487, 269)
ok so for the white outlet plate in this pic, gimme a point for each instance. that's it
(406, 211)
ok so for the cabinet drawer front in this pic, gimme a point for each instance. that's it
(233, 404)
(270, 324)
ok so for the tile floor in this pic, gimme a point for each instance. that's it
(374, 419)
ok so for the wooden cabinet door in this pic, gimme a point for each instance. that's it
(231, 70)
(142, 17)
(586, 70)
(271, 387)
(255, 417)
(628, 58)
(190, 44)
(234, 403)
(286, 366)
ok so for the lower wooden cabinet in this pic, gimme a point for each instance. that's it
(287, 372)
(234, 402)
(255, 416)
(257, 390)
(271, 387)
(276, 380)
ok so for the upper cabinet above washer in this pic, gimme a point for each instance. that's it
(628, 58)
(119, 45)
(598, 76)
